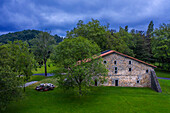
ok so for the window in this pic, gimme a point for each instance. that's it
(130, 69)
(115, 62)
(137, 81)
(130, 62)
(105, 62)
(147, 71)
(115, 70)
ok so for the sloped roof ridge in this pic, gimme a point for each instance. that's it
(113, 51)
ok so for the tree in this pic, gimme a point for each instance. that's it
(147, 43)
(93, 31)
(139, 49)
(126, 28)
(76, 57)
(150, 29)
(15, 59)
(9, 89)
(161, 45)
(58, 39)
(19, 58)
(17, 55)
(42, 48)
(121, 41)
(132, 31)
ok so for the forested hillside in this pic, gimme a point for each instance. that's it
(24, 36)
(21, 35)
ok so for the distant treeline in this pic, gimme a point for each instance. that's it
(24, 35)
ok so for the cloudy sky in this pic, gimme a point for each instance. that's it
(59, 16)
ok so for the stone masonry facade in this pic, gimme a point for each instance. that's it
(126, 72)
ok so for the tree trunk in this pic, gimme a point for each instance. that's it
(24, 85)
(45, 62)
(163, 63)
(80, 92)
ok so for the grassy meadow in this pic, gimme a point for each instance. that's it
(162, 73)
(100, 99)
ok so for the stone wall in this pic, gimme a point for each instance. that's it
(154, 82)
(139, 76)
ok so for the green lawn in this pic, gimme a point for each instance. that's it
(161, 73)
(50, 68)
(100, 100)
(36, 78)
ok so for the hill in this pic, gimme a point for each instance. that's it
(21, 35)
(24, 36)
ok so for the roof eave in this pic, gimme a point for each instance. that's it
(112, 51)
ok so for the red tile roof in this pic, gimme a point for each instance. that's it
(113, 51)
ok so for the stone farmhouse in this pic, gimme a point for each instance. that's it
(127, 71)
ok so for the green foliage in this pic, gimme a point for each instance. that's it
(150, 29)
(70, 51)
(75, 55)
(162, 73)
(15, 59)
(122, 41)
(139, 50)
(141, 46)
(9, 86)
(93, 31)
(17, 55)
(42, 47)
(58, 39)
(126, 28)
(135, 44)
(161, 45)
(22, 35)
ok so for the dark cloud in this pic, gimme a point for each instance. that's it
(59, 16)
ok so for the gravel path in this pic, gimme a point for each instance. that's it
(43, 74)
(29, 83)
(163, 78)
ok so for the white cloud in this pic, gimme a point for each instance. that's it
(61, 17)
